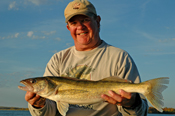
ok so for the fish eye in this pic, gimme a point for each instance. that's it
(33, 81)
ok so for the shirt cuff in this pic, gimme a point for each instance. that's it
(138, 109)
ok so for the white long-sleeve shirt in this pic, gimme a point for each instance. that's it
(101, 62)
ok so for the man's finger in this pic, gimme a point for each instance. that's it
(125, 94)
(108, 99)
(34, 100)
(29, 96)
(115, 96)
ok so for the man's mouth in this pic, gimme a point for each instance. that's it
(82, 33)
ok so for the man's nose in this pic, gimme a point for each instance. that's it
(80, 25)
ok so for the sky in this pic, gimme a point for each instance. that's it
(31, 31)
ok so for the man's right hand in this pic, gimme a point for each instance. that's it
(35, 100)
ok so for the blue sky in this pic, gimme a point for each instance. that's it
(31, 31)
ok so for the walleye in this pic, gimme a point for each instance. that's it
(66, 90)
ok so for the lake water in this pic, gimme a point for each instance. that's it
(26, 113)
(161, 115)
(14, 113)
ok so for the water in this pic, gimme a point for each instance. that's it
(14, 113)
(26, 113)
(161, 114)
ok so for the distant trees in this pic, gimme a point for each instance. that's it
(165, 110)
(12, 108)
(150, 110)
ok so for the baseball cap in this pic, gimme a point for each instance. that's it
(79, 7)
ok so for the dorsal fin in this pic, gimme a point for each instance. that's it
(115, 78)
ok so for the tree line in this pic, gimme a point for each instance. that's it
(150, 110)
(165, 110)
(12, 108)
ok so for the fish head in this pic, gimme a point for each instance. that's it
(34, 85)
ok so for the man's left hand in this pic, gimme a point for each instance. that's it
(124, 98)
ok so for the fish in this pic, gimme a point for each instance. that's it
(67, 90)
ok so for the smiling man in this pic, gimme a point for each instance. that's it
(85, 31)
(93, 59)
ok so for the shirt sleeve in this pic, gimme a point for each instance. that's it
(48, 110)
(128, 70)
(52, 68)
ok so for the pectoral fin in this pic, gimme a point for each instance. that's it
(56, 89)
(62, 108)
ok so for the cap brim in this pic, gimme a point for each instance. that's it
(79, 13)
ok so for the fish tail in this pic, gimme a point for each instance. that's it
(154, 90)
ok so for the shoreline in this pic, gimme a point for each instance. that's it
(150, 111)
(13, 108)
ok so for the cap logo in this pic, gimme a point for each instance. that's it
(76, 6)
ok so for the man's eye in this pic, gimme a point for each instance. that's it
(73, 23)
(86, 20)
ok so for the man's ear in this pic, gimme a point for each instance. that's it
(67, 26)
(98, 21)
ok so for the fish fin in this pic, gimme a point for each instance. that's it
(154, 90)
(62, 107)
(56, 89)
(117, 79)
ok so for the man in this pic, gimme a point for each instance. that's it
(91, 58)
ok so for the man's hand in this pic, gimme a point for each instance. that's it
(124, 98)
(35, 100)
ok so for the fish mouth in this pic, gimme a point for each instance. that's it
(26, 87)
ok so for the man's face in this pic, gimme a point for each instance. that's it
(85, 31)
